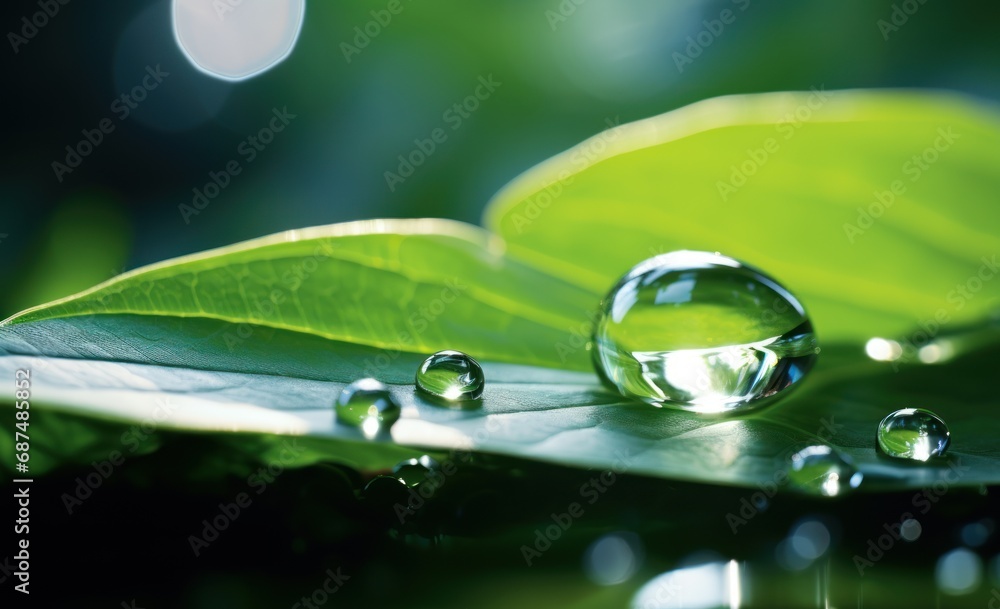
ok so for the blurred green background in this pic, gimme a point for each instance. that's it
(564, 69)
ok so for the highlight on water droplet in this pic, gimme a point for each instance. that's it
(821, 470)
(702, 332)
(415, 471)
(913, 433)
(369, 405)
(237, 39)
(452, 376)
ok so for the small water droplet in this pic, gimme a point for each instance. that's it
(819, 469)
(701, 332)
(415, 471)
(451, 375)
(367, 404)
(913, 433)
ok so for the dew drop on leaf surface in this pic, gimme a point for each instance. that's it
(821, 470)
(452, 376)
(367, 404)
(701, 332)
(913, 433)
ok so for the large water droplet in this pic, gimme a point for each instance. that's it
(451, 375)
(913, 433)
(367, 404)
(701, 332)
(819, 469)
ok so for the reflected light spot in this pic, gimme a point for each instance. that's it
(735, 591)
(371, 427)
(704, 586)
(911, 529)
(787, 558)
(935, 353)
(237, 39)
(613, 558)
(922, 451)
(728, 454)
(856, 480)
(452, 393)
(883, 350)
(976, 533)
(810, 540)
(831, 486)
(958, 572)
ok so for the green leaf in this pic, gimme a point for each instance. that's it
(260, 337)
(284, 383)
(812, 165)
(418, 285)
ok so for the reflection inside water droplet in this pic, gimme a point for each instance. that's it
(452, 376)
(701, 332)
(913, 433)
(821, 470)
(368, 405)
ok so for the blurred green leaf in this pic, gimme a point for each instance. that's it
(787, 182)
